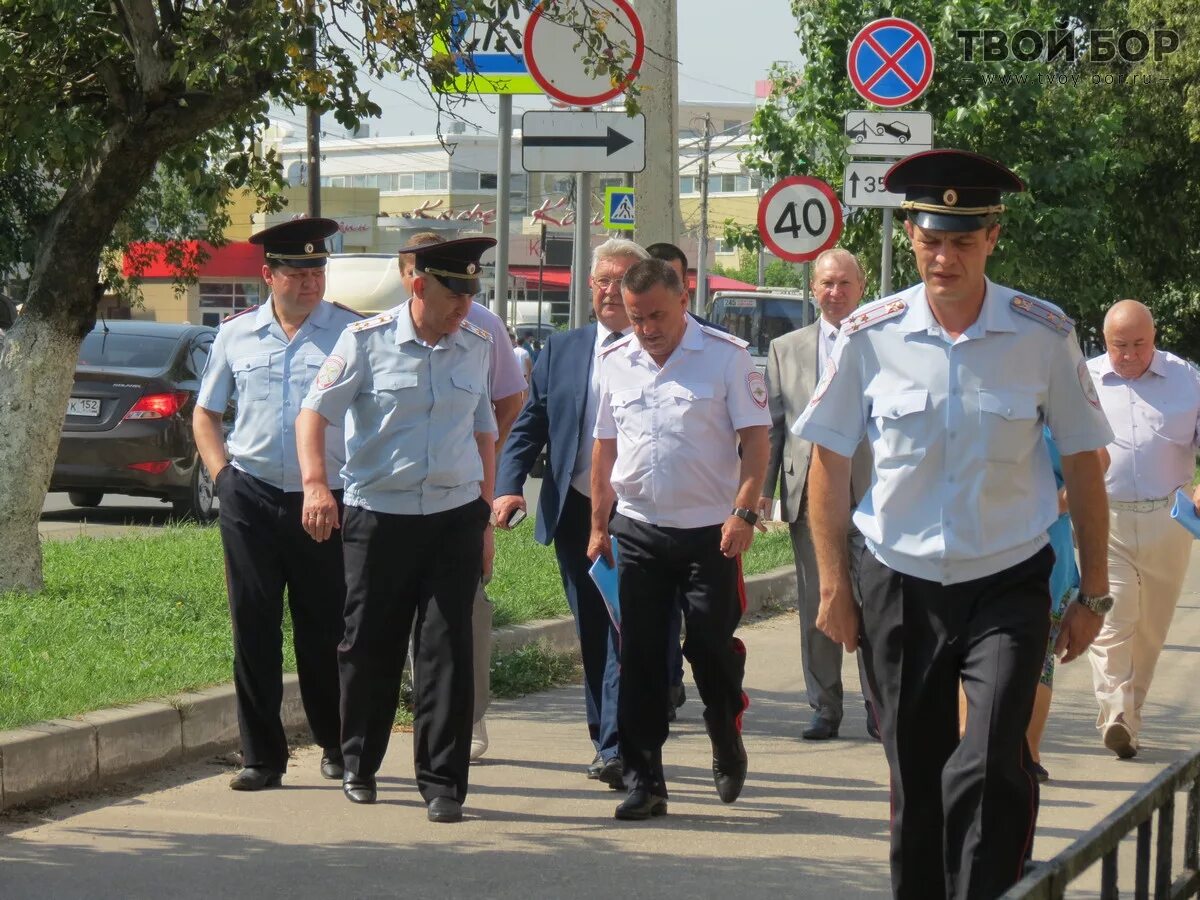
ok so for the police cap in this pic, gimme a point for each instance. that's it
(951, 190)
(299, 243)
(454, 263)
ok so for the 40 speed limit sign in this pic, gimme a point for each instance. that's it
(799, 218)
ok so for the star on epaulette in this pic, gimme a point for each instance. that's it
(475, 330)
(1045, 313)
(725, 336)
(239, 314)
(373, 322)
(873, 315)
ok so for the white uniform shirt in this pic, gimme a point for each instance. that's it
(581, 475)
(1156, 423)
(962, 485)
(828, 337)
(676, 427)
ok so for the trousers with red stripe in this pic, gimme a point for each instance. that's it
(656, 565)
(963, 811)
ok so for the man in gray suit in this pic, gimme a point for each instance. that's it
(794, 366)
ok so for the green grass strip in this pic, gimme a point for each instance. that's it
(126, 619)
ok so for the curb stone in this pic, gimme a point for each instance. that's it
(56, 758)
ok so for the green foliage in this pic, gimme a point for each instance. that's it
(1102, 149)
(778, 273)
(535, 667)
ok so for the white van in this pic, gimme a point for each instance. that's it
(759, 317)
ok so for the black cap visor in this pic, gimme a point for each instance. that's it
(932, 221)
(453, 283)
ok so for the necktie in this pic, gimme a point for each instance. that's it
(615, 336)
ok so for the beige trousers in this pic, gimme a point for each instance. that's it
(1148, 555)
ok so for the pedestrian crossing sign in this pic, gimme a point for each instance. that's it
(619, 208)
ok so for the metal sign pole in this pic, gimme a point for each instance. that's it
(503, 182)
(582, 250)
(885, 265)
(541, 279)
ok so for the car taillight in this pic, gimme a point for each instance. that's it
(158, 406)
(154, 468)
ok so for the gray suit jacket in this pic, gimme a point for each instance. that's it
(792, 375)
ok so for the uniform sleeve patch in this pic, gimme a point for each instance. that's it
(329, 373)
(1089, 386)
(758, 388)
(823, 384)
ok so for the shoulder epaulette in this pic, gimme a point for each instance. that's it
(725, 336)
(240, 313)
(873, 314)
(475, 330)
(373, 322)
(343, 306)
(624, 341)
(1046, 313)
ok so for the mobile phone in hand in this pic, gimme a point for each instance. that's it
(516, 518)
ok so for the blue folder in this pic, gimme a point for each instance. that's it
(605, 577)
(1184, 512)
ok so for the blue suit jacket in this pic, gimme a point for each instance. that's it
(552, 418)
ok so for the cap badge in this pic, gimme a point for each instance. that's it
(950, 197)
(472, 268)
(308, 248)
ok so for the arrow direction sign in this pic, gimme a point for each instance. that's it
(571, 141)
(863, 186)
(894, 135)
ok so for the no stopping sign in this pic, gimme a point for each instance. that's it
(799, 218)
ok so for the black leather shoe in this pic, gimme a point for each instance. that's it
(819, 730)
(729, 771)
(332, 766)
(444, 809)
(358, 790)
(641, 805)
(255, 778)
(593, 769)
(612, 773)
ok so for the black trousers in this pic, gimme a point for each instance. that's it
(655, 567)
(401, 568)
(266, 550)
(965, 809)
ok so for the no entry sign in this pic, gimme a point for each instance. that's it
(799, 218)
(557, 60)
(890, 62)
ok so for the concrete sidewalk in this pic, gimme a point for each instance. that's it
(812, 821)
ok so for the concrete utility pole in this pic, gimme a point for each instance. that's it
(658, 186)
(701, 301)
(503, 185)
(581, 296)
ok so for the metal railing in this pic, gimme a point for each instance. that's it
(1049, 880)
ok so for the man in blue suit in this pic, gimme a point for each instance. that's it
(560, 415)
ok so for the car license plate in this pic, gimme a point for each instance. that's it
(83, 406)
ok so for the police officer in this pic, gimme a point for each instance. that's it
(675, 399)
(419, 473)
(266, 358)
(951, 381)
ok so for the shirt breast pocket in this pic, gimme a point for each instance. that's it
(465, 397)
(389, 388)
(629, 413)
(1008, 425)
(690, 407)
(903, 431)
(253, 377)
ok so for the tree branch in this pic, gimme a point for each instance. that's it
(145, 40)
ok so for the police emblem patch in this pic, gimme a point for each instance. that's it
(1085, 382)
(330, 371)
(823, 384)
(758, 388)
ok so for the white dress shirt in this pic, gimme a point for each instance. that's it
(1156, 425)
(962, 484)
(676, 426)
(825, 343)
(581, 475)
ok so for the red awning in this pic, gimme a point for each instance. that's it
(237, 260)
(560, 277)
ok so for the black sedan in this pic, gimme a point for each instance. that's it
(129, 420)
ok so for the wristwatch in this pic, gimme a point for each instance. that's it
(1100, 604)
(749, 515)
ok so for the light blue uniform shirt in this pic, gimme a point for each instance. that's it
(962, 484)
(253, 361)
(414, 412)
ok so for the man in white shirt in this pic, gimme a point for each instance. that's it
(1152, 401)
(676, 399)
